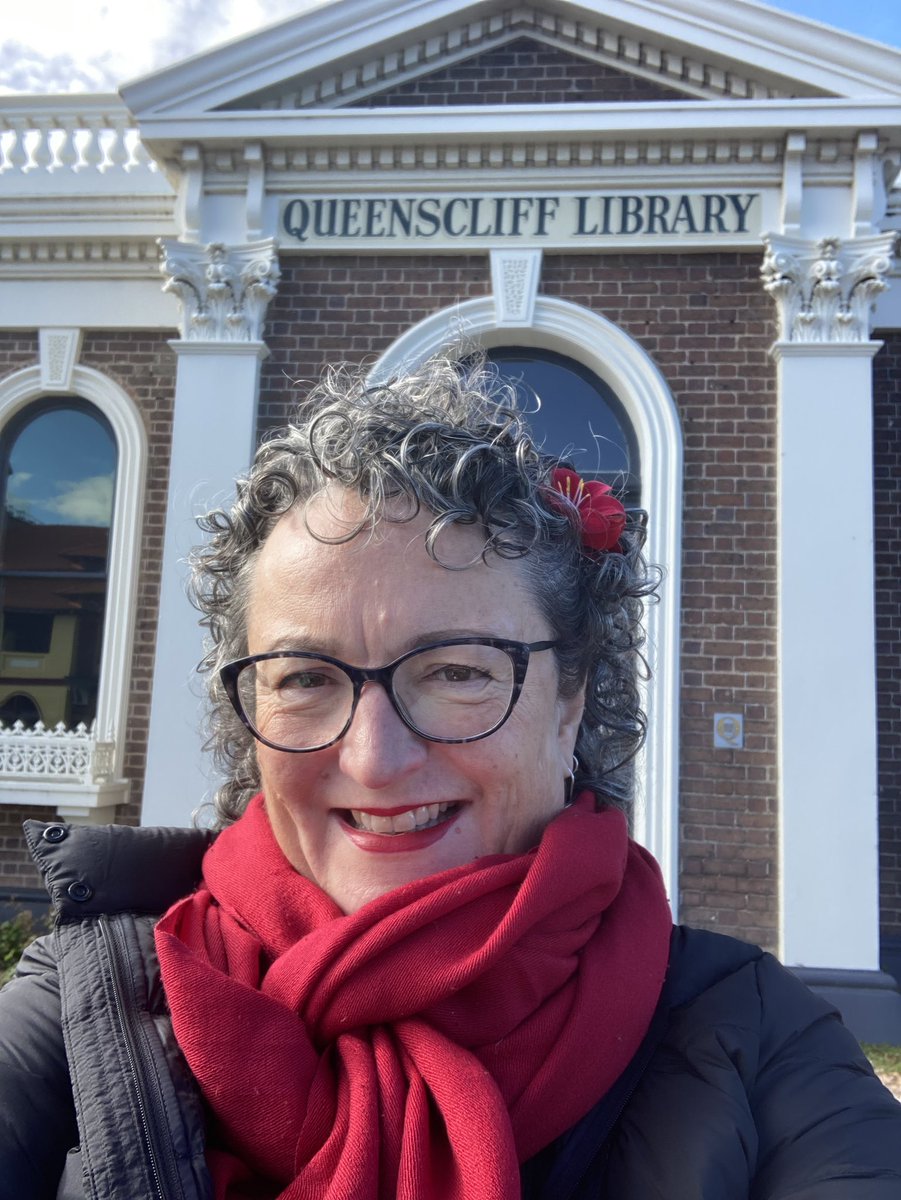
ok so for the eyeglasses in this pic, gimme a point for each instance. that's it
(458, 690)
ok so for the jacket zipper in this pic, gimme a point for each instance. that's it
(167, 1185)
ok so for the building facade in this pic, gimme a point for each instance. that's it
(681, 220)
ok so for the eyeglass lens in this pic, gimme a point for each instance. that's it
(446, 692)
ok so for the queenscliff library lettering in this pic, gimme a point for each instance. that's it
(315, 220)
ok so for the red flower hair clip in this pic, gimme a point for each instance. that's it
(602, 516)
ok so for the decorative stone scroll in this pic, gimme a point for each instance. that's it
(54, 755)
(826, 291)
(224, 291)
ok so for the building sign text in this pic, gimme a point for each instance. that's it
(587, 218)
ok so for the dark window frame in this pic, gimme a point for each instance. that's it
(9, 436)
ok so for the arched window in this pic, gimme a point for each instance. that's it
(562, 328)
(575, 414)
(58, 461)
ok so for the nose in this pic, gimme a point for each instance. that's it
(378, 749)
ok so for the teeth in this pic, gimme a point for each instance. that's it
(406, 822)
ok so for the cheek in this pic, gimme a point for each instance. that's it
(523, 767)
(287, 778)
(538, 727)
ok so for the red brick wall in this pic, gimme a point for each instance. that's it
(887, 509)
(144, 366)
(522, 72)
(707, 323)
(345, 309)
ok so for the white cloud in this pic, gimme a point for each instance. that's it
(59, 46)
(85, 502)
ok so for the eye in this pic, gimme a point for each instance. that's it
(292, 676)
(302, 681)
(457, 673)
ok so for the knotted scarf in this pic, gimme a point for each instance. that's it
(424, 1046)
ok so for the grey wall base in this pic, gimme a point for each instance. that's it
(869, 1001)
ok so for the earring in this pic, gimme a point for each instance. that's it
(569, 782)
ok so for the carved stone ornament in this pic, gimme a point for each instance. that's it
(826, 291)
(515, 275)
(59, 352)
(224, 291)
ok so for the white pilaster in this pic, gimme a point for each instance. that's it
(829, 900)
(829, 903)
(224, 292)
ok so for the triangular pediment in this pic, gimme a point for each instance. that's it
(553, 61)
(347, 53)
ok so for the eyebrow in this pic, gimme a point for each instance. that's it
(311, 645)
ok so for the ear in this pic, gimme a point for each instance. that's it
(569, 718)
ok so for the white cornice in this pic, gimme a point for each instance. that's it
(659, 120)
(78, 258)
(650, 162)
(753, 37)
(85, 217)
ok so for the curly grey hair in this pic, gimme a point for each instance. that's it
(448, 438)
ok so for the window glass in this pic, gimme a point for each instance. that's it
(59, 469)
(575, 414)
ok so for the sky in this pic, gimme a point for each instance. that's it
(81, 46)
(62, 470)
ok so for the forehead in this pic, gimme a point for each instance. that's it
(382, 583)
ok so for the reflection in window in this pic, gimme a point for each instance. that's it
(575, 414)
(19, 707)
(58, 465)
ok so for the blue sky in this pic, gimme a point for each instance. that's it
(71, 46)
(62, 470)
(879, 20)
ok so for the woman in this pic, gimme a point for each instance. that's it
(422, 959)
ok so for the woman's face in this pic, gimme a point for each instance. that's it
(366, 602)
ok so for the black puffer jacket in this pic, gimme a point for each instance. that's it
(746, 1088)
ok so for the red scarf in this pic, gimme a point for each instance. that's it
(424, 1046)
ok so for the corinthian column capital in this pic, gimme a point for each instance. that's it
(224, 291)
(825, 291)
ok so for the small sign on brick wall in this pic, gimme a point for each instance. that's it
(728, 731)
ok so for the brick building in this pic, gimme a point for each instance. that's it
(681, 214)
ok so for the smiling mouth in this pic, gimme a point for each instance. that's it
(427, 816)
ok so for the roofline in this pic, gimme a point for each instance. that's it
(745, 31)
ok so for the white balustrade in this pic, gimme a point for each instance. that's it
(61, 136)
(54, 755)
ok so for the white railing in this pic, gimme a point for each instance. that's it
(49, 138)
(54, 755)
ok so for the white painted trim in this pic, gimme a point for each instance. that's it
(738, 34)
(16, 393)
(593, 340)
(655, 120)
(888, 305)
(29, 303)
